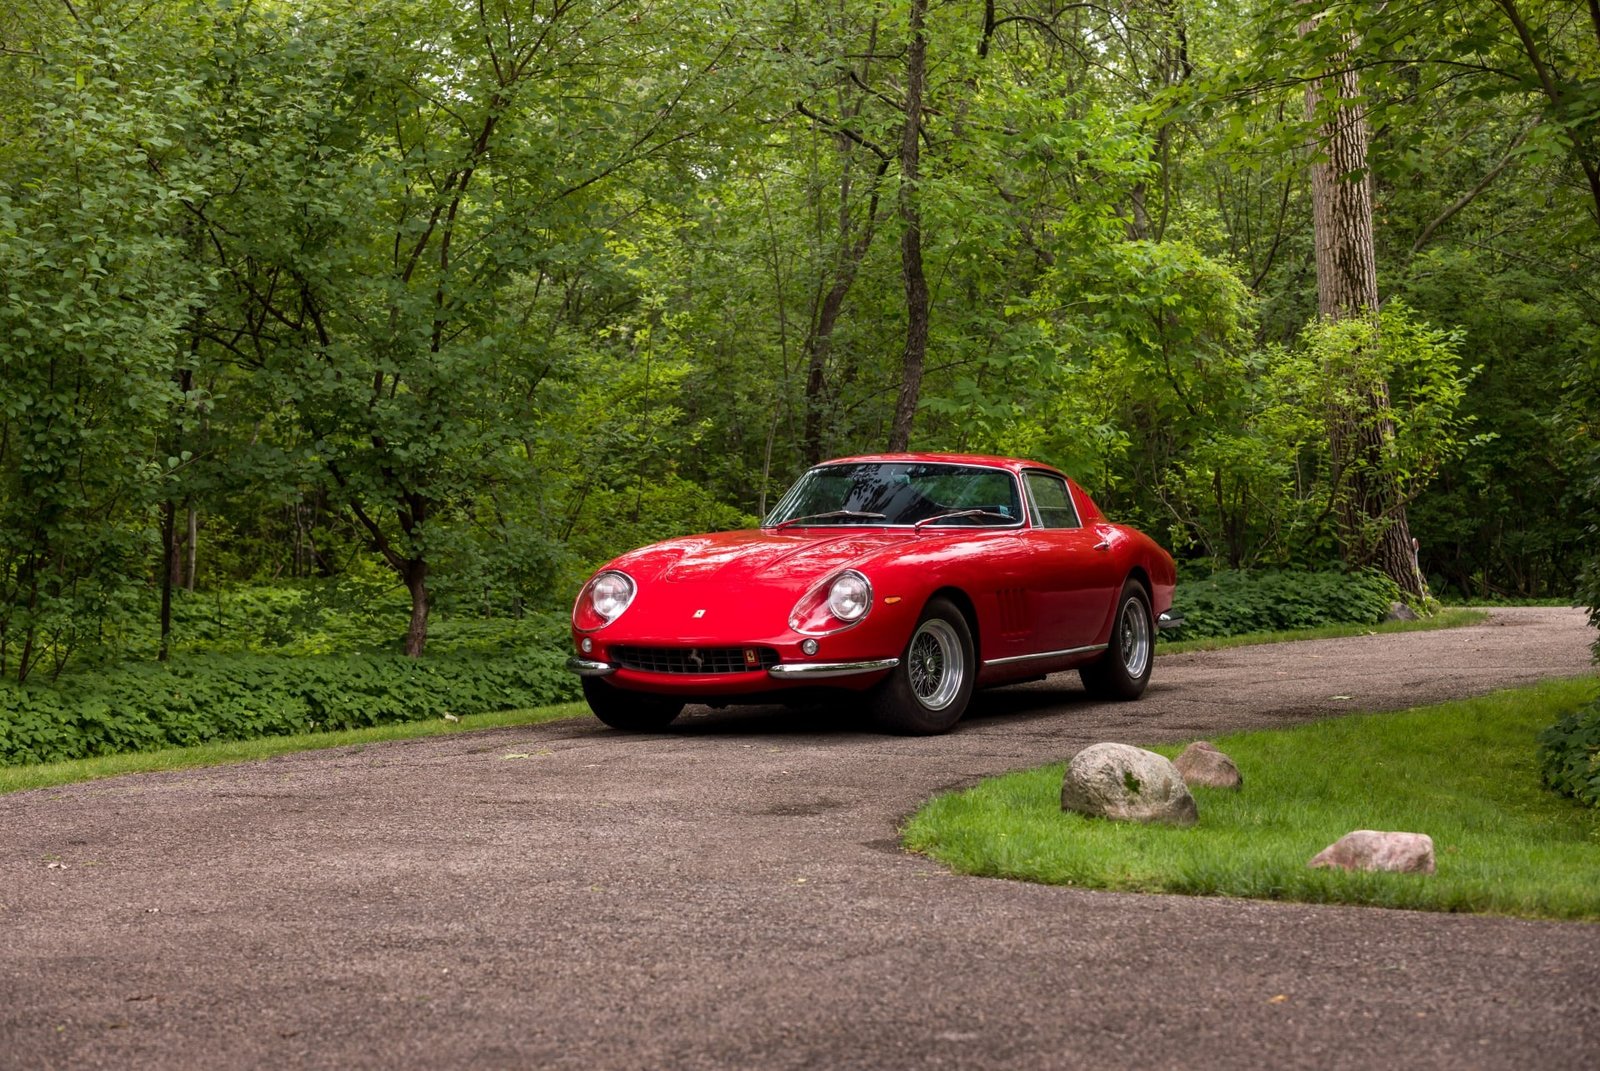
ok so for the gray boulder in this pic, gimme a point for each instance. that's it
(1368, 849)
(1399, 611)
(1202, 764)
(1126, 784)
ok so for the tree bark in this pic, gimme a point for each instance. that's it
(416, 578)
(916, 282)
(1371, 507)
(1341, 199)
(853, 248)
(819, 343)
(169, 559)
(193, 549)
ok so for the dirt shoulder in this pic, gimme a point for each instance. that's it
(731, 894)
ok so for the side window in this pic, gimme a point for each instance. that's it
(1052, 503)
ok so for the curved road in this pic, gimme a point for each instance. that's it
(730, 895)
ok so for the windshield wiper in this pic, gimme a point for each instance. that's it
(854, 513)
(964, 513)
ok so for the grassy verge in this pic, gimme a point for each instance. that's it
(1465, 773)
(1450, 618)
(17, 778)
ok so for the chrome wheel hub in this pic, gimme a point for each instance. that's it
(1133, 632)
(935, 665)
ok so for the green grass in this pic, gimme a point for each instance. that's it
(1449, 618)
(18, 778)
(1462, 772)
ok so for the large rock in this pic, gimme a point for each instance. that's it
(1368, 849)
(1202, 764)
(1127, 784)
(1399, 611)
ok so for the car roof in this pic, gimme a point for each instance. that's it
(1012, 464)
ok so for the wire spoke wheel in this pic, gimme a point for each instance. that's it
(1123, 670)
(1133, 628)
(929, 690)
(935, 665)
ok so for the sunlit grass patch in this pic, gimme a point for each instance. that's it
(17, 778)
(1464, 773)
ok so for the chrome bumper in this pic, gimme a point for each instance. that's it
(788, 671)
(588, 667)
(812, 671)
(1170, 619)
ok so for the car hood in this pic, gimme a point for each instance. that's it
(783, 558)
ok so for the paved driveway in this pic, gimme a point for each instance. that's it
(730, 895)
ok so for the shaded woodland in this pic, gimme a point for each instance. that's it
(460, 297)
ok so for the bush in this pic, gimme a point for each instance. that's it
(320, 617)
(1232, 603)
(241, 696)
(1569, 755)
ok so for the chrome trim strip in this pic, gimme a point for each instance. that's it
(588, 667)
(1169, 620)
(821, 670)
(1091, 649)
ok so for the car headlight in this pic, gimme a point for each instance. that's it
(602, 600)
(832, 605)
(849, 597)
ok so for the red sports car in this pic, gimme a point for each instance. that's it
(906, 580)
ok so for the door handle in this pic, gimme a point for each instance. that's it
(1103, 545)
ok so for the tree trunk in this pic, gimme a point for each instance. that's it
(916, 282)
(416, 578)
(1341, 200)
(193, 547)
(819, 344)
(853, 249)
(817, 349)
(1372, 514)
(169, 561)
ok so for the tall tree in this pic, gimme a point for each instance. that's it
(1371, 507)
(911, 267)
(398, 196)
(856, 228)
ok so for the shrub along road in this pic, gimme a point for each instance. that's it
(731, 894)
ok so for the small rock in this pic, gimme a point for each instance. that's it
(1126, 784)
(1399, 611)
(1368, 849)
(1202, 764)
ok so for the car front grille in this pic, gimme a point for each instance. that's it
(696, 660)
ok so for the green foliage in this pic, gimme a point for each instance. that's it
(1569, 755)
(626, 517)
(1394, 382)
(324, 618)
(93, 290)
(1233, 603)
(475, 295)
(1529, 337)
(238, 697)
(1580, 421)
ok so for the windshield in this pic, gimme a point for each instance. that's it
(900, 493)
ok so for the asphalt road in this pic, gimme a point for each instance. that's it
(731, 895)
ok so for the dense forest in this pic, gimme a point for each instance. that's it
(457, 298)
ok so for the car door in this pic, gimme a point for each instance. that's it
(1070, 570)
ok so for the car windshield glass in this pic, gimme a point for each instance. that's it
(901, 493)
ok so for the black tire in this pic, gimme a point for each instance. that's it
(929, 690)
(634, 712)
(1124, 670)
